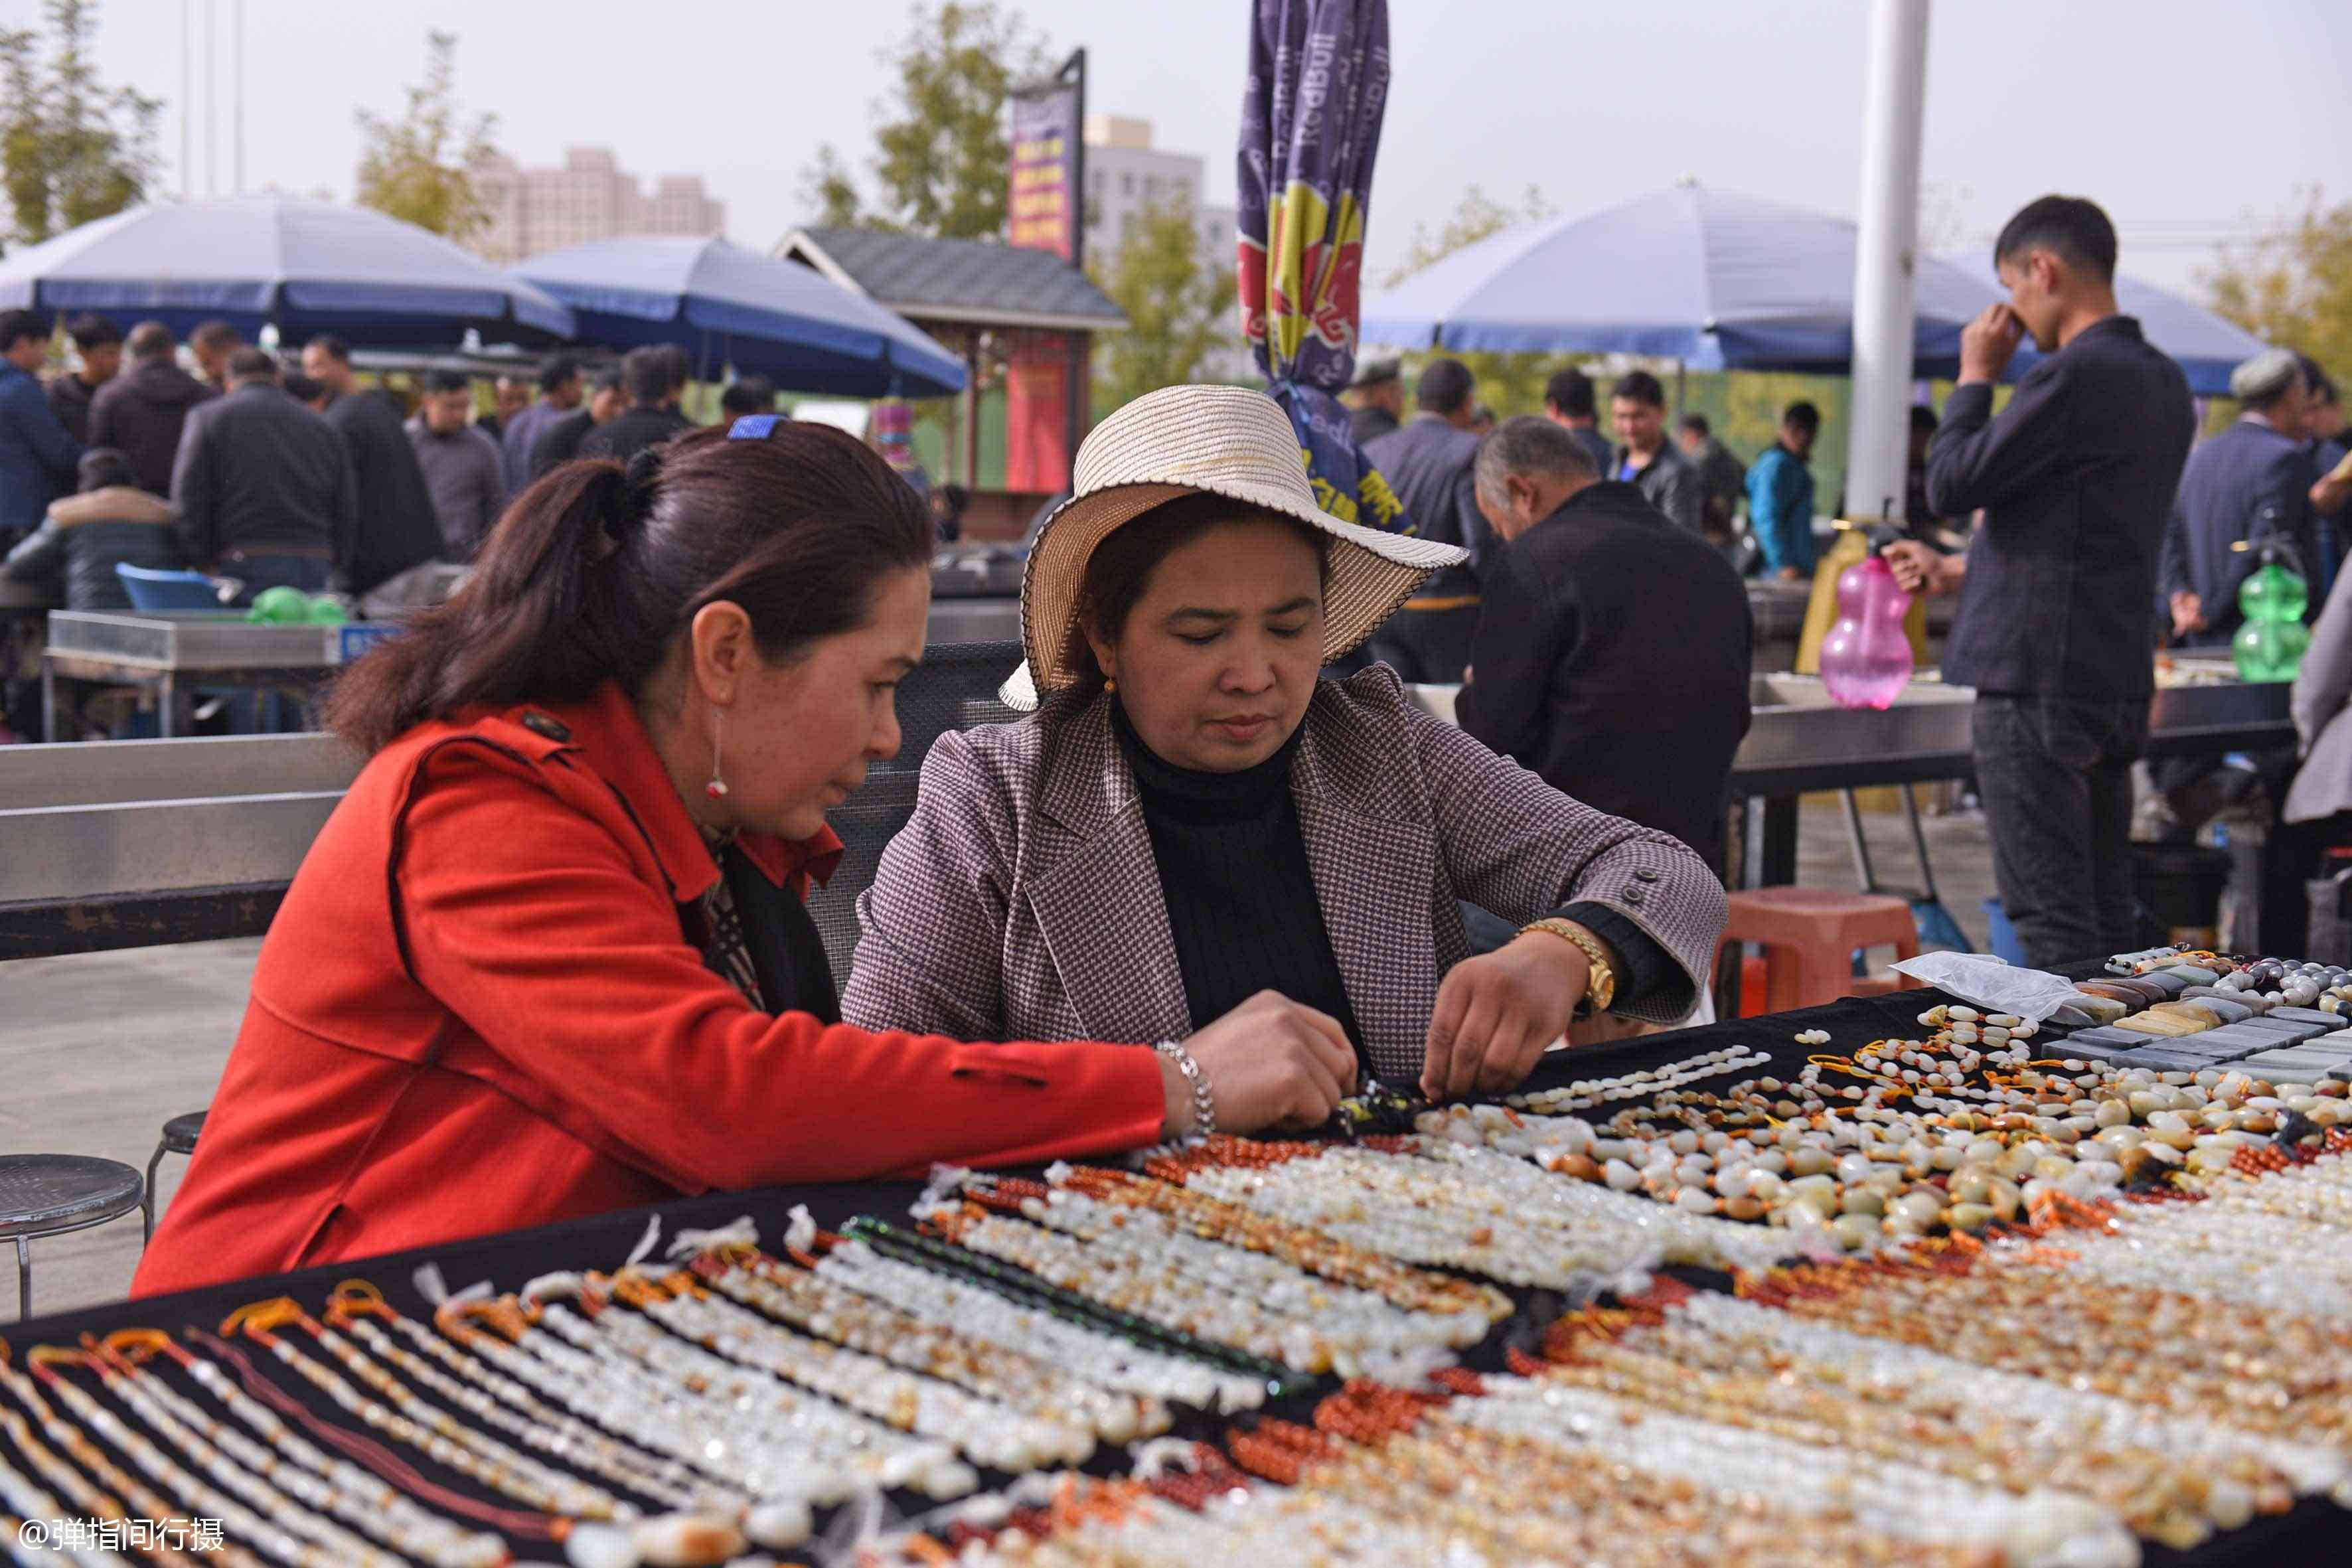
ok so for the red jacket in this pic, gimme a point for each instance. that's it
(476, 1011)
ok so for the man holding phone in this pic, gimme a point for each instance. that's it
(2057, 616)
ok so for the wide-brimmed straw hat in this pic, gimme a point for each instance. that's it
(1194, 440)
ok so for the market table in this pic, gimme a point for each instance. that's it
(2314, 1531)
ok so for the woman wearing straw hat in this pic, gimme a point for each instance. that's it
(1192, 818)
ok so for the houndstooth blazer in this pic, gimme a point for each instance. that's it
(1021, 901)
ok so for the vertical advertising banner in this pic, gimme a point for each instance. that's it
(1311, 113)
(1042, 210)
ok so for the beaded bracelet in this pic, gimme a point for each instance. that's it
(1204, 1102)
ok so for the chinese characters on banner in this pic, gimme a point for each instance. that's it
(1318, 78)
(1042, 213)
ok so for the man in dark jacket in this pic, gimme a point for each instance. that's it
(1614, 650)
(1375, 398)
(1722, 477)
(97, 343)
(1637, 405)
(2057, 620)
(1568, 404)
(110, 522)
(560, 442)
(460, 463)
(36, 454)
(650, 378)
(141, 412)
(559, 394)
(1427, 462)
(263, 486)
(2248, 486)
(399, 536)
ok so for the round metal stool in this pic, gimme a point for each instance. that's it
(52, 1195)
(179, 1137)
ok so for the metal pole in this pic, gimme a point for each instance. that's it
(212, 97)
(236, 94)
(187, 99)
(1074, 416)
(1894, 93)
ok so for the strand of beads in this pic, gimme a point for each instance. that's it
(1886, 1495)
(287, 1533)
(987, 1431)
(983, 1315)
(665, 1480)
(1585, 1094)
(1745, 1383)
(20, 1493)
(819, 1305)
(2188, 1355)
(1223, 1294)
(292, 1463)
(1707, 1322)
(88, 1501)
(1451, 1204)
(817, 1454)
(1231, 1225)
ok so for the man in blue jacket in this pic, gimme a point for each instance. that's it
(2247, 486)
(2056, 626)
(1780, 497)
(36, 454)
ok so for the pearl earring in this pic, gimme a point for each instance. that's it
(717, 788)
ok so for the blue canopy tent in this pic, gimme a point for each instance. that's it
(305, 267)
(726, 305)
(1717, 281)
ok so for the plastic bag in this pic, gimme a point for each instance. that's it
(1983, 981)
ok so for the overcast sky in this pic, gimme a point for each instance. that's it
(2188, 119)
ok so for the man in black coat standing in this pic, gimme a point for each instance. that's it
(1613, 649)
(652, 380)
(399, 534)
(263, 486)
(141, 412)
(2056, 628)
(1427, 462)
(2248, 486)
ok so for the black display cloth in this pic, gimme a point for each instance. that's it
(2314, 1531)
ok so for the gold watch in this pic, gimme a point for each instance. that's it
(1600, 988)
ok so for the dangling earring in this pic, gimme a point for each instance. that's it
(717, 788)
(1110, 683)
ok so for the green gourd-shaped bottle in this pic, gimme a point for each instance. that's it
(2270, 646)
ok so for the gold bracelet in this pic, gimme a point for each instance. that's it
(1600, 989)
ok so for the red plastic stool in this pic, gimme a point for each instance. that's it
(1809, 936)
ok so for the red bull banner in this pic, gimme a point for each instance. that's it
(1311, 111)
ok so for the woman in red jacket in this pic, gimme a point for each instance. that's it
(548, 958)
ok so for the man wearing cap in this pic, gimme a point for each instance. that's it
(2248, 487)
(1375, 399)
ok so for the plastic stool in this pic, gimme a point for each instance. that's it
(1809, 934)
(179, 1137)
(50, 1195)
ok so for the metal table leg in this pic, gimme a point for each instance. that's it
(1861, 842)
(49, 700)
(24, 1280)
(168, 723)
(1770, 860)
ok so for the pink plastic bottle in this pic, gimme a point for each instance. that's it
(1866, 658)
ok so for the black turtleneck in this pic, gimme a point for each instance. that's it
(1241, 896)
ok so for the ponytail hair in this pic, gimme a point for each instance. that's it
(595, 571)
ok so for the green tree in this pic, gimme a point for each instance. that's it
(2293, 285)
(1178, 310)
(941, 154)
(1507, 382)
(419, 167)
(71, 150)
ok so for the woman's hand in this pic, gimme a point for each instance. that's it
(1269, 1062)
(1497, 1012)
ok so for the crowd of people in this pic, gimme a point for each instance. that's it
(245, 468)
